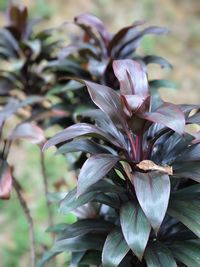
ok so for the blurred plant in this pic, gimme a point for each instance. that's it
(24, 55)
(141, 174)
(22, 130)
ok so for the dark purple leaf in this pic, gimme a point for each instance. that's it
(84, 145)
(108, 101)
(128, 47)
(92, 21)
(131, 76)
(152, 190)
(135, 228)
(168, 115)
(118, 37)
(77, 130)
(94, 169)
(191, 153)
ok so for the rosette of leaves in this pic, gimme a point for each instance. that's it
(25, 53)
(142, 171)
(95, 48)
(90, 54)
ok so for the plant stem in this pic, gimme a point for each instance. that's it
(132, 144)
(46, 190)
(27, 213)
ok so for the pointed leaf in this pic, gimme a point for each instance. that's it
(157, 60)
(132, 77)
(119, 36)
(108, 101)
(92, 21)
(115, 249)
(168, 115)
(152, 190)
(85, 226)
(94, 169)
(135, 228)
(83, 145)
(71, 202)
(186, 212)
(83, 242)
(187, 252)
(77, 130)
(157, 255)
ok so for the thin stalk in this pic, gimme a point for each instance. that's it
(29, 218)
(132, 144)
(48, 204)
(46, 189)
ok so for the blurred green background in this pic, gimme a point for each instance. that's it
(181, 48)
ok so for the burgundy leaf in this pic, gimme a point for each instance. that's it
(92, 21)
(94, 169)
(108, 101)
(28, 131)
(133, 42)
(152, 190)
(168, 115)
(5, 181)
(131, 76)
(77, 130)
(118, 37)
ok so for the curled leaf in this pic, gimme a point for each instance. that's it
(148, 165)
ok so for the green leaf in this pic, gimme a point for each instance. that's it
(157, 60)
(189, 169)
(83, 242)
(187, 212)
(92, 258)
(157, 255)
(187, 252)
(187, 193)
(115, 249)
(85, 226)
(152, 190)
(48, 255)
(71, 202)
(94, 169)
(135, 228)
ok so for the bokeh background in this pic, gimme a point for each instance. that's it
(181, 48)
